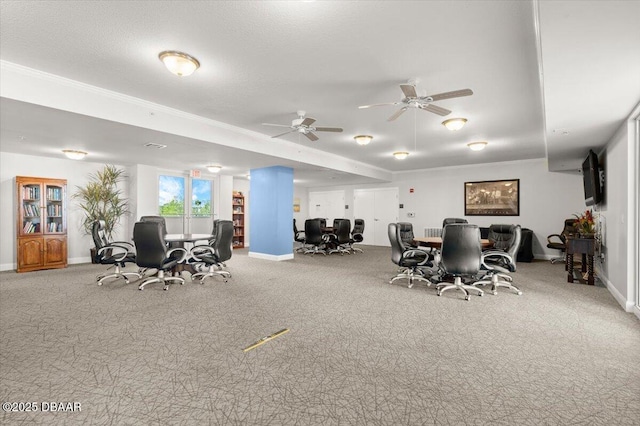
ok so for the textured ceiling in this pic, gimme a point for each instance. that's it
(263, 61)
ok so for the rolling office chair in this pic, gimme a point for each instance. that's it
(499, 261)
(356, 235)
(409, 259)
(450, 220)
(341, 238)
(314, 237)
(214, 255)
(159, 219)
(461, 256)
(115, 253)
(298, 236)
(406, 233)
(152, 253)
(560, 242)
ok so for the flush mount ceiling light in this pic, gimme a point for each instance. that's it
(214, 169)
(454, 123)
(477, 146)
(401, 155)
(179, 63)
(74, 154)
(363, 139)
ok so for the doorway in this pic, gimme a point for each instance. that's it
(186, 203)
(378, 208)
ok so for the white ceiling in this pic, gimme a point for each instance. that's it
(263, 61)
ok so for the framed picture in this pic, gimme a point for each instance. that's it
(492, 198)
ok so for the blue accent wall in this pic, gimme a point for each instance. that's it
(271, 210)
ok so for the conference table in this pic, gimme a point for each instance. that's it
(436, 242)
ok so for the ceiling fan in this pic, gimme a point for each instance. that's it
(303, 125)
(412, 100)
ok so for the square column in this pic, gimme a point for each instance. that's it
(271, 213)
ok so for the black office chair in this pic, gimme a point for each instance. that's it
(461, 257)
(152, 252)
(406, 233)
(323, 222)
(313, 237)
(409, 259)
(341, 237)
(213, 256)
(160, 219)
(114, 253)
(298, 236)
(450, 220)
(500, 260)
(560, 242)
(356, 235)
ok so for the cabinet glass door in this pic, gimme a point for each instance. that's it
(31, 209)
(54, 214)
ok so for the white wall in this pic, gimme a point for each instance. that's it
(76, 173)
(546, 198)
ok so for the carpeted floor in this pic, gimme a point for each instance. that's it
(360, 351)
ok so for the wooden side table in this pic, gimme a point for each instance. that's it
(585, 247)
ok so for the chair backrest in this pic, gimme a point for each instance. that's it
(313, 231)
(214, 230)
(159, 219)
(342, 230)
(506, 237)
(151, 250)
(323, 222)
(397, 246)
(223, 241)
(98, 234)
(358, 226)
(406, 232)
(461, 250)
(295, 228)
(450, 220)
(569, 229)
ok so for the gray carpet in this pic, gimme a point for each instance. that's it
(360, 351)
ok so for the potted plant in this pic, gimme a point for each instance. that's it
(585, 224)
(101, 199)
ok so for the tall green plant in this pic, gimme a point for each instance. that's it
(100, 199)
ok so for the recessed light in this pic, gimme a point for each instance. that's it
(74, 154)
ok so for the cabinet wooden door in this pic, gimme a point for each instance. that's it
(55, 251)
(30, 253)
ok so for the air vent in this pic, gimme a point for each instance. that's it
(155, 145)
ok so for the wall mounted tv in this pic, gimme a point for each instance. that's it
(591, 179)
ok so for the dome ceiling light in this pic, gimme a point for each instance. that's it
(179, 63)
(477, 146)
(454, 124)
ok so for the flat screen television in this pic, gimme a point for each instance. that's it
(591, 179)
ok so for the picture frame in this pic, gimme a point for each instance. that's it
(492, 198)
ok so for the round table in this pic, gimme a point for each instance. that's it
(436, 242)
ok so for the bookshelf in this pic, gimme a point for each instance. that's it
(238, 219)
(41, 223)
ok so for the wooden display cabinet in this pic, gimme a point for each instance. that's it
(41, 223)
(238, 220)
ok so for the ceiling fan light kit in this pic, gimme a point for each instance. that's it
(400, 155)
(214, 169)
(73, 154)
(454, 124)
(477, 146)
(179, 63)
(363, 139)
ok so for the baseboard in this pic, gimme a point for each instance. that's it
(627, 305)
(636, 311)
(266, 256)
(8, 267)
(71, 261)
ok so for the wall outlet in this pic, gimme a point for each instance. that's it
(411, 214)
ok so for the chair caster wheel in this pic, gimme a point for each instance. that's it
(165, 288)
(495, 293)
(438, 293)
(99, 283)
(140, 288)
(126, 281)
(519, 293)
(466, 298)
(480, 294)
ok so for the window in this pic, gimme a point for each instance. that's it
(171, 195)
(201, 197)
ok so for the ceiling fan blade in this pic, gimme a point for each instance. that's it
(311, 136)
(276, 125)
(436, 109)
(328, 129)
(449, 95)
(282, 134)
(397, 114)
(308, 121)
(409, 90)
(375, 105)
